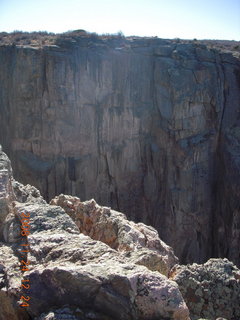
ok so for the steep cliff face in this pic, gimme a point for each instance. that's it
(147, 126)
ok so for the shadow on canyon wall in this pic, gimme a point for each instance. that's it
(150, 127)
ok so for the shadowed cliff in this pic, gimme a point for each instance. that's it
(150, 127)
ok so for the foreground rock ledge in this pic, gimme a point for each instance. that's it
(68, 268)
(140, 243)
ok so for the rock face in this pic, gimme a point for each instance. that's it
(210, 290)
(147, 126)
(6, 198)
(67, 268)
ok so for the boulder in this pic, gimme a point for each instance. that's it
(210, 290)
(135, 240)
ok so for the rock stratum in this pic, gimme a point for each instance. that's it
(84, 261)
(149, 127)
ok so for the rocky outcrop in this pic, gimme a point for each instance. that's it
(149, 127)
(7, 196)
(138, 242)
(73, 276)
(64, 267)
(210, 290)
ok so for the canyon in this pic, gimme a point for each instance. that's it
(147, 126)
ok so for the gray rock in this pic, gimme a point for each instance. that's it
(73, 314)
(45, 217)
(67, 268)
(113, 228)
(6, 192)
(10, 284)
(74, 269)
(210, 290)
(148, 129)
(26, 193)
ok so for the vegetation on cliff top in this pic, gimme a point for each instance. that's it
(44, 38)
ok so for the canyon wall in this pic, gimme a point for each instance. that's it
(147, 126)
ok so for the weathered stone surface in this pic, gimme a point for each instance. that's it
(10, 283)
(151, 259)
(210, 290)
(73, 314)
(45, 217)
(6, 191)
(113, 228)
(76, 270)
(147, 126)
(26, 193)
(122, 291)
(68, 268)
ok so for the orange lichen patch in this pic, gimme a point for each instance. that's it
(191, 296)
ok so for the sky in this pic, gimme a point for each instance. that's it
(186, 19)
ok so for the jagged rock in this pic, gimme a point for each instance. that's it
(81, 271)
(6, 192)
(26, 193)
(113, 228)
(148, 258)
(46, 217)
(10, 284)
(11, 229)
(151, 130)
(210, 290)
(73, 269)
(68, 268)
(122, 291)
(73, 314)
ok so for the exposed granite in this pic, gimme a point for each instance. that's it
(136, 241)
(211, 290)
(66, 268)
(149, 127)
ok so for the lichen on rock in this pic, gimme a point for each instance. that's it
(136, 241)
(210, 290)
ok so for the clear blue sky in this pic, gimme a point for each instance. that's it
(187, 19)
